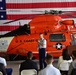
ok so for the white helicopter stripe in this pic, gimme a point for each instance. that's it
(4, 43)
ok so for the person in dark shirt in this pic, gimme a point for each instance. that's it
(29, 63)
(2, 69)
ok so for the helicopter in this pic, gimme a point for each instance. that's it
(57, 32)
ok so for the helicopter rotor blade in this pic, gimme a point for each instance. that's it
(58, 12)
(54, 12)
(20, 19)
(14, 20)
(69, 13)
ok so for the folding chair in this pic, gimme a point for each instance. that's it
(1, 73)
(29, 72)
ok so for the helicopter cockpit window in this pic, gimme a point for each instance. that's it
(57, 38)
(27, 29)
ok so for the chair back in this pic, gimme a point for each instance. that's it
(29, 72)
(1, 73)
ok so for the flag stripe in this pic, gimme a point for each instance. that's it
(3, 32)
(40, 5)
(8, 28)
(37, 1)
(24, 16)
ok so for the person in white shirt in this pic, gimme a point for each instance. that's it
(50, 69)
(64, 62)
(8, 70)
(42, 51)
(3, 61)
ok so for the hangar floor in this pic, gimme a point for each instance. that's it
(15, 65)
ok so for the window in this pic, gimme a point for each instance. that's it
(57, 37)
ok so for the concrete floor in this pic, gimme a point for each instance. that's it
(15, 66)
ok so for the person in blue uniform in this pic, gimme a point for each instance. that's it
(42, 51)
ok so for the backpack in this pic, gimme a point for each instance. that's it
(73, 71)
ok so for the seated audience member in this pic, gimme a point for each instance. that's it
(29, 63)
(2, 69)
(49, 69)
(64, 62)
(73, 64)
(8, 70)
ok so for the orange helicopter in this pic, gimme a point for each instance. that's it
(57, 32)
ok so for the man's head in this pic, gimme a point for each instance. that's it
(74, 54)
(49, 59)
(29, 55)
(41, 35)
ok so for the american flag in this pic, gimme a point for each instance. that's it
(15, 9)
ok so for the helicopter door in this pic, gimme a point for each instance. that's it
(56, 41)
